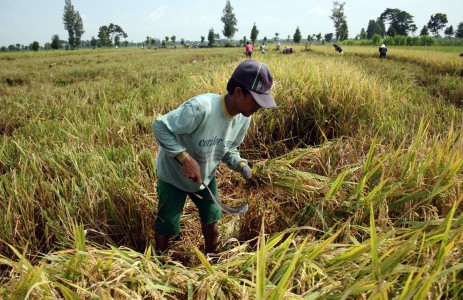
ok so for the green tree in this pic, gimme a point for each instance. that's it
(459, 31)
(211, 37)
(400, 22)
(173, 38)
(73, 24)
(110, 34)
(310, 37)
(148, 42)
(437, 22)
(103, 36)
(166, 41)
(381, 26)
(375, 27)
(35, 46)
(297, 36)
(339, 20)
(363, 34)
(424, 31)
(55, 42)
(254, 33)
(319, 37)
(329, 37)
(229, 21)
(93, 42)
(391, 31)
(202, 39)
(116, 31)
(449, 31)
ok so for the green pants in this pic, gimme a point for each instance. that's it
(171, 201)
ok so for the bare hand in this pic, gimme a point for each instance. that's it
(191, 170)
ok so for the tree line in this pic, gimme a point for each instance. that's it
(400, 22)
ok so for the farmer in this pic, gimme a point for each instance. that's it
(338, 48)
(307, 46)
(249, 49)
(382, 51)
(193, 139)
(287, 50)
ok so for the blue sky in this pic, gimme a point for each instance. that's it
(25, 21)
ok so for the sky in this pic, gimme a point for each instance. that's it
(26, 21)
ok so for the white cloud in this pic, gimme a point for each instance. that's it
(157, 14)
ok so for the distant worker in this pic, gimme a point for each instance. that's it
(262, 48)
(287, 50)
(249, 49)
(278, 46)
(382, 51)
(307, 46)
(338, 48)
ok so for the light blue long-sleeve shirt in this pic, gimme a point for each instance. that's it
(202, 127)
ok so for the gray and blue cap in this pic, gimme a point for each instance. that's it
(256, 77)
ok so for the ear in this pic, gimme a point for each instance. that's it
(238, 91)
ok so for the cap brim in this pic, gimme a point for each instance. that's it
(264, 100)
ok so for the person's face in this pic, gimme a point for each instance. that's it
(249, 106)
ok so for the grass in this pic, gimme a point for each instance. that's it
(359, 174)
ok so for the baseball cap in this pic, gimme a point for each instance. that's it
(256, 77)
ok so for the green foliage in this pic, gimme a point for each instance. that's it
(55, 42)
(297, 37)
(254, 33)
(328, 37)
(35, 46)
(339, 20)
(437, 22)
(376, 27)
(229, 21)
(449, 31)
(459, 31)
(211, 37)
(363, 34)
(110, 34)
(400, 22)
(93, 42)
(424, 31)
(73, 24)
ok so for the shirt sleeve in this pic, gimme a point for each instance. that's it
(183, 120)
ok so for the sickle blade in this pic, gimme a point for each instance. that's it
(232, 210)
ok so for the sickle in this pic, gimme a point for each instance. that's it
(232, 210)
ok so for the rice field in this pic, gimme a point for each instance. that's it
(359, 170)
